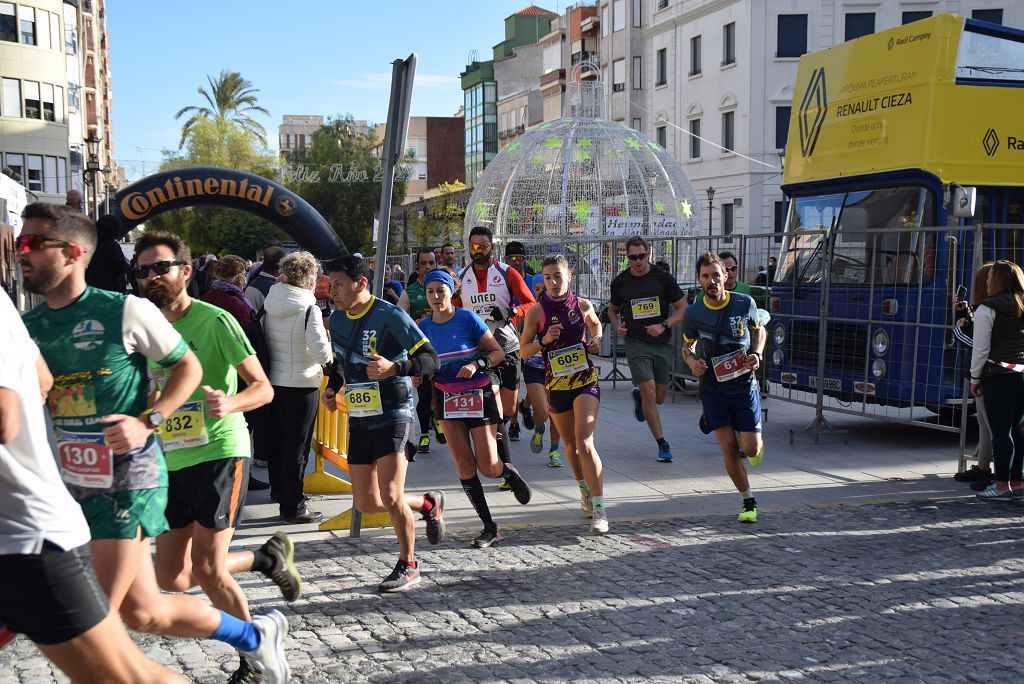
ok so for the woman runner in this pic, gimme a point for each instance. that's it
(535, 379)
(561, 321)
(464, 398)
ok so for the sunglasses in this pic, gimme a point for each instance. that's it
(159, 268)
(34, 243)
(481, 247)
(732, 269)
(515, 257)
(637, 257)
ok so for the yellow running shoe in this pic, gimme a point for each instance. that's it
(749, 512)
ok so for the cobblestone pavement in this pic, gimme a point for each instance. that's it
(920, 591)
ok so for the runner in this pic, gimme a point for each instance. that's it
(97, 344)
(377, 349)
(728, 327)
(536, 394)
(515, 256)
(646, 293)
(574, 395)
(488, 288)
(50, 592)
(464, 398)
(414, 302)
(206, 443)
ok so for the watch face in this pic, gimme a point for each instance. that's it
(155, 418)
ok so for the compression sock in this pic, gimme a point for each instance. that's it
(504, 452)
(236, 633)
(598, 501)
(475, 491)
(583, 486)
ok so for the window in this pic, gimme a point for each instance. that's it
(859, 24)
(73, 102)
(27, 21)
(32, 108)
(16, 163)
(780, 220)
(694, 139)
(50, 175)
(604, 21)
(35, 172)
(912, 16)
(58, 104)
(694, 55)
(661, 135)
(8, 22)
(992, 16)
(638, 73)
(728, 131)
(619, 75)
(43, 29)
(662, 76)
(727, 222)
(729, 44)
(792, 39)
(11, 97)
(637, 14)
(47, 99)
(662, 4)
(62, 175)
(782, 115)
(618, 15)
(636, 123)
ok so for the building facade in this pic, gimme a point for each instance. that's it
(434, 154)
(296, 131)
(480, 100)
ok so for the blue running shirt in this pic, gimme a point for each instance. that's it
(721, 330)
(456, 342)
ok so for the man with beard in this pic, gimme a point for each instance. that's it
(448, 256)
(489, 289)
(97, 343)
(728, 327)
(207, 442)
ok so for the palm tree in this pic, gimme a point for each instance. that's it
(233, 99)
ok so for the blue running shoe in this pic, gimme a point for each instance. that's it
(638, 405)
(664, 453)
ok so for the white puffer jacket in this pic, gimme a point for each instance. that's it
(298, 348)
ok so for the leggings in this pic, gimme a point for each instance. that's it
(1004, 405)
(424, 403)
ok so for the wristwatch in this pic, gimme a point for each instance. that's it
(153, 419)
(483, 363)
(759, 355)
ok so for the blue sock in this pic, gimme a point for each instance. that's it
(237, 633)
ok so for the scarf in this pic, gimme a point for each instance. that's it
(230, 288)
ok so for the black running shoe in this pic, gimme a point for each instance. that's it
(438, 432)
(513, 432)
(487, 537)
(435, 519)
(974, 474)
(518, 485)
(402, 578)
(283, 573)
(527, 414)
(243, 675)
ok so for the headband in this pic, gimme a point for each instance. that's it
(440, 277)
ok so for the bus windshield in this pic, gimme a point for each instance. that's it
(875, 244)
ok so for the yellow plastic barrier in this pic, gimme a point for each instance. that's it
(330, 445)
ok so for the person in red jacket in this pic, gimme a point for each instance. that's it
(226, 290)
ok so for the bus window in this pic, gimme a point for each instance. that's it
(803, 252)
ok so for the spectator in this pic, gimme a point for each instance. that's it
(226, 290)
(392, 281)
(299, 348)
(997, 371)
(73, 200)
(260, 285)
(398, 273)
(979, 475)
(762, 276)
(732, 269)
(448, 256)
(108, 269)
(772, 265)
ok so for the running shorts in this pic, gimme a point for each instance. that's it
(366, 446)
(560, 401)
(119, 515)
(211, 493)
(491, 413)
(741, 411)
(506, 374)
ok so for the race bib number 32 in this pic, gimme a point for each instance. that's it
(185, 428)
(729, 366)
(645, 307)
(464, 404)
(568, 361)
(363, 400)
(85, 460)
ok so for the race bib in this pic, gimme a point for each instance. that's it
(729, 366)
(645, 307)
(464, 404)
(85, 460)
(568, 361)
(363, 400)
(185, 428)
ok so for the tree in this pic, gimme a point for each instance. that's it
(443, 220)
(231, 98)
(337, 173)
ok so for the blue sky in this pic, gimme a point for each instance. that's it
(325, 57)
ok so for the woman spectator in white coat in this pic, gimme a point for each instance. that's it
(299, 348)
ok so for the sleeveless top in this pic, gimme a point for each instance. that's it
(567, 365)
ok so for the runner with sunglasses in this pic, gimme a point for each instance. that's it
(464, 399)
(561, 322)
(639, 310)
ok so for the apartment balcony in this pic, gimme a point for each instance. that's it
(590, 24)
(584, 56)
(555, 76)
(91, 119)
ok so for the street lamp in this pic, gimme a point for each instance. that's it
(711, 206)
(92, 168)
(106, 190)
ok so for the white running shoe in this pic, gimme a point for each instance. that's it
(599, 525)
(268, 659)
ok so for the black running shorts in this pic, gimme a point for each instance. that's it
(211, 494)
(506, 374)
(491, 412)
(366, 446)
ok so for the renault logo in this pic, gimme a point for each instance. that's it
(990, 141)
(812, 112)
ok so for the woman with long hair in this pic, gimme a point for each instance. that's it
(561, 321)
(997, 371)
(979, 475)
(534, 376)
(464, 397)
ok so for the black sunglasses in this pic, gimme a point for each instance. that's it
(159, 268)
(637, 257)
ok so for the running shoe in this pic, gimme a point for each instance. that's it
(996, 495)
(6, 635)
(244, 674)
(586, 504)
(486, 538)
(504, 486)
(982, 485)
(518, 485)
(599, 525)
(435, 518)
(554, 458)
(755, 460)
(268, 659)
(749, 512)
(283, 573)
(424, 446)
(402, 578)
(527, 414)
(513, 432)
(974, 474)
(638, 405)
(664, 453)
(438, 431)
(703, 425)
(537, 442)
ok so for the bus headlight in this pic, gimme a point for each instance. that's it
(778, 357)
(779, 335)
(878, 369)
(880, 342)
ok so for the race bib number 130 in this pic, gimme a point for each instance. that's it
(85, 460)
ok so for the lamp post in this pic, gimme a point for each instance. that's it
(92, 168)
(106, 190)
(711, 207)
